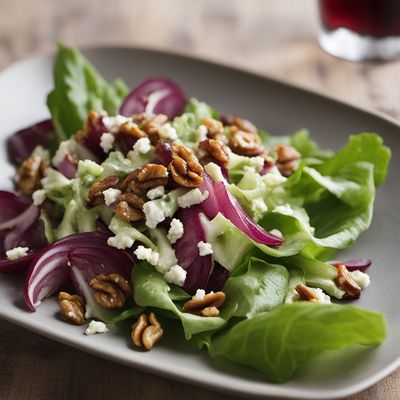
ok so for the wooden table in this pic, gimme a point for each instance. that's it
(274, 37)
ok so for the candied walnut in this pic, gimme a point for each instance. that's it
(72, 307)
(143, 179)
(206, 305)
(30, 173)
(245, 143)
(129, 207)
(95, 194)
(215, 129)
(146, 331)
(111, 291)
(214, 151)
(131, 129)
(347, 283)
(306, 293)
(185, 167)
(93, 123)
(245, 125)
(288, 159)
(151, 124)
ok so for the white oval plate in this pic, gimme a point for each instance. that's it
(272, 105)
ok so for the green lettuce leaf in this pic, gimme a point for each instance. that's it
(261, 287)
(280, 341)
(151, 290)
(78, 89)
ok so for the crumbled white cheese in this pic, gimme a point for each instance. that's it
(153, 213)
(322, 297)
(285, 209)
(120, 241)
(202, 133)
(107, 141)
(257, 162)
(192, 197)
(113, 123)
(205, 248)
(142, 146)
(96, 327)
(214, 172)
(361, 278)
(200, 294)
(156, 192)
(259, 208)
(38, 197)
(147, 254)
(176, 275)
(175, 231)
(17, 252)
(274, 177)
(276, 232)
(62, 151)
(111, 196)
(168, 132)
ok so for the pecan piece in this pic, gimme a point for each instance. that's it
(214, 151)
(207, 305)
(146, 331)
(131, 129)
(184, 167)
(95, 194)
(111, 291)
(151, 124)
(30, 173)
(143, 179)
(215, 129)
(245, 143)
(129, 207)
(306, 293)
(72, 307)
(347, 283)
(287, 159)
(245, 125)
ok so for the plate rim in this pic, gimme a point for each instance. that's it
(48, 332)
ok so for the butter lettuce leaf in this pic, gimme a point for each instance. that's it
(280, 341)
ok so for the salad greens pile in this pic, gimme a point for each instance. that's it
(258, 227)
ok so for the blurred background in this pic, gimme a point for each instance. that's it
(276, 38)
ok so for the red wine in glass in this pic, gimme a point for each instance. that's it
(360, 29)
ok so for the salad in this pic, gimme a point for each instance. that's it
(149, 209)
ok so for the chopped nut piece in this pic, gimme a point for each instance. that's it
(129, 207)
(93, 123)
(245, 143)
(30, 173)
(111, 291)
(347, 283)
(95, 194)
(146, 331)
(72, 307)
(215, 129)
(143, 179)
(244, 125)
(210, 312)
(214, 151)
(184, 167)
(209, 301)
(288, 159)
(129, 128)
(151, 124)
(306, 293)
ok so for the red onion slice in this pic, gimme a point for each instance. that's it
(358, 264)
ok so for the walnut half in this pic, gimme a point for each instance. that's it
(72, 307)
(30, 173)
(111, 291)
(146, 331)
(208, 306)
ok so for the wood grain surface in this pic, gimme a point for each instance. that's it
(275, 37)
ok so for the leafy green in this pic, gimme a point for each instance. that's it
(151, 290)
(280, 341)
(261, 287)
(78, 89)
